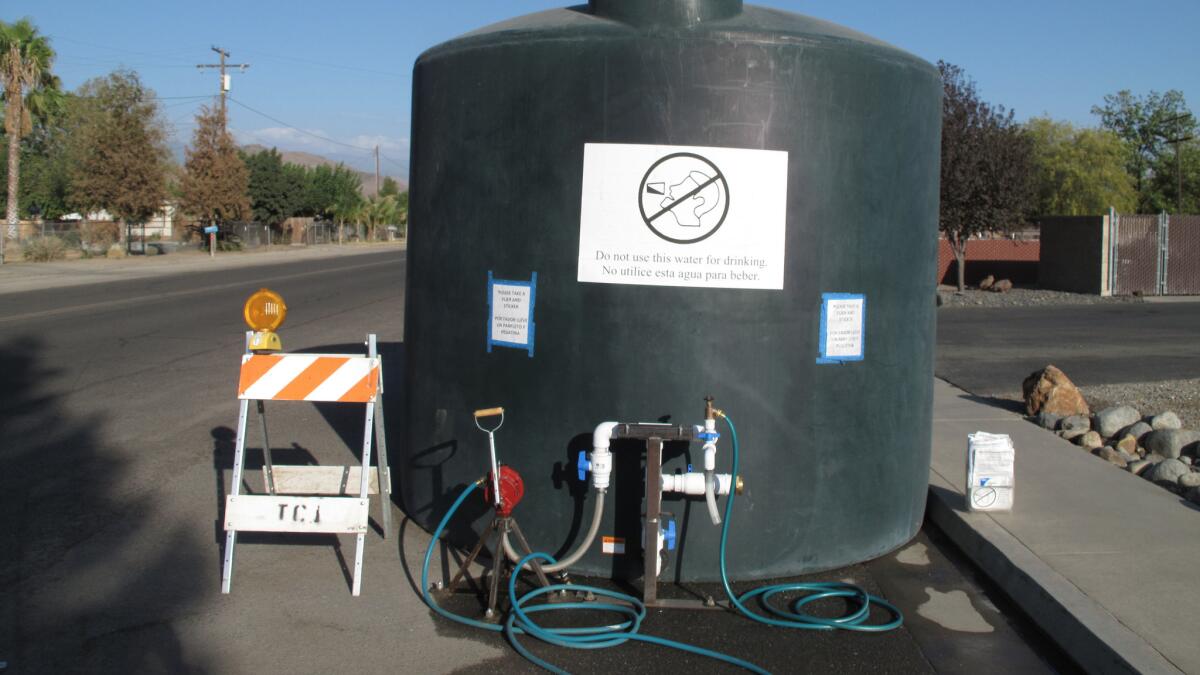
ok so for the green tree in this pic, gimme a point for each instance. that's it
(335, 192)
(1145, 123)
(276, 193)
(390, 187)
(118, 148)
(215, 184)
(1078, 171)
(26, 60)
(1164, 188)
(986, 166)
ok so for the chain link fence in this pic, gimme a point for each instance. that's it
(1155, 255)
(1183, 256)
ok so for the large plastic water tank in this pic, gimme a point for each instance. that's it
(678, 198)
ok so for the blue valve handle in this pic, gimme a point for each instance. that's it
(583, 465)
(708, 436)
(669, 535)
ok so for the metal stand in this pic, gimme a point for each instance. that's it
(655, 435)
(500, 525)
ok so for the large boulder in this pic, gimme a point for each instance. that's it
(1051, 390)
(987, 282)
(1171, 443)
(1111, 420)
(1002, 286)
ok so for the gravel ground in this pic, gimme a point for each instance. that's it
(1150, 398)
(1021, 297)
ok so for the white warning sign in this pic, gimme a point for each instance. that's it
(660, 215)
(843, 322)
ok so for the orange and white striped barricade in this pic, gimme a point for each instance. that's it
(315, 499)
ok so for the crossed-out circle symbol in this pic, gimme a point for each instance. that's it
(684, 198)
(984, 497)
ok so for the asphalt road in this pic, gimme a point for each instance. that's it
(117, 414)
(989, 351)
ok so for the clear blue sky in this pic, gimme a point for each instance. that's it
(343, 70)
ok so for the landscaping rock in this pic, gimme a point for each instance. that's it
(1128, 444)
(1051, 390)
(1136, 468)
(1090, 440)
(1137, 430)
(1127, 457)
(1166, 420)
(1189, 480)
(1002, 286)
(1048, 420)
(1172, 442)
(1111, 456)
(1071, 434)
(1186, 460)
(1075, 423)
(987, 282)
(1111, 420)
(1168, 471)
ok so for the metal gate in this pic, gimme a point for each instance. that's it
(1182, 253)
(1154, 255)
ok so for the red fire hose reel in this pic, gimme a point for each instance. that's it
(512, 488)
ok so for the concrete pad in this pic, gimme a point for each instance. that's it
(1099, 558)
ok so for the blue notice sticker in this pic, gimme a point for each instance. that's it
(843, 327)
(510, 313)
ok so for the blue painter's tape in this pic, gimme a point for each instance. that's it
(823, 338)
(530, 327)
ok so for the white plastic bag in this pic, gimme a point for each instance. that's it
(990, 483)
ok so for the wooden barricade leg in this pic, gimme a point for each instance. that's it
(385, 474)
(239, 463)
(363, 487)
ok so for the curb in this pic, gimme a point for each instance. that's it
(1088, 633)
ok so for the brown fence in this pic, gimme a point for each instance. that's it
(1016, 260)
(1154, 255)
(1183, 256)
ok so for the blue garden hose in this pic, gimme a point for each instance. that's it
(794, 618)
(519, 621)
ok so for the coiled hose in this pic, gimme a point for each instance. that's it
(520, 622)
(795, 618)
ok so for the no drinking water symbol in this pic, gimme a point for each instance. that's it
(684, 198)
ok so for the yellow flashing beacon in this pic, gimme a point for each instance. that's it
(264, 311)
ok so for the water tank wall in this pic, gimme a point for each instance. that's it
(835, 456)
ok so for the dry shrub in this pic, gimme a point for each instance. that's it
(99, 235)
(44, 249)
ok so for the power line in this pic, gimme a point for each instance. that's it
(295, 128)
(159, 55)
(325, 64)
(398, 165)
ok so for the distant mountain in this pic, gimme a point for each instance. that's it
(310, 160)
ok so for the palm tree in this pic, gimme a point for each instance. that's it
(25, 61)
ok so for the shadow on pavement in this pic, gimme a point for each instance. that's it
(79, 592)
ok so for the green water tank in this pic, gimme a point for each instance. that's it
(622, 207)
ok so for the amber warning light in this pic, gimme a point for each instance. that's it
(264, 312)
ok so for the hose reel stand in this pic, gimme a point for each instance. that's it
(503, 489)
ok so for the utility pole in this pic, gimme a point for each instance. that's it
(224, 78)
(1178, 165)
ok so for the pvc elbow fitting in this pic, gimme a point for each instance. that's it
(601, 456)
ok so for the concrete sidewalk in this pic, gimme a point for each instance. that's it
(1104, 561)
(20, 276)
